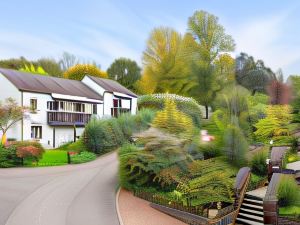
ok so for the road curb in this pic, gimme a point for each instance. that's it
(117, 207)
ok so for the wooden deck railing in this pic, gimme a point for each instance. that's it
(67, 118)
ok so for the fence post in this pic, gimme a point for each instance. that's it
(69, 158)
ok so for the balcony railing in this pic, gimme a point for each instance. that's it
(68, 119)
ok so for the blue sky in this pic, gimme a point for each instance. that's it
(103, 30)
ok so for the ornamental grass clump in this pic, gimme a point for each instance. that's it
(102, 135)
(258, 163)
(288, 192)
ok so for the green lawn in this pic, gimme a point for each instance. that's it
(289, 210)
(53, 158)
(77, 146)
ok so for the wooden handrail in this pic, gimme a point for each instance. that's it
(241, 197)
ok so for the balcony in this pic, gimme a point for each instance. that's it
(67, 119)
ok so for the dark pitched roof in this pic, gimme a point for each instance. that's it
(46, 84)
(112, 86)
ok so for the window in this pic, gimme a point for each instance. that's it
(36, 132)
(33, 104)
(118, 107)
(94, 109)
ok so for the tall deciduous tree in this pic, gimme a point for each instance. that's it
(125, 71)
(210, 40)
(251, 74)
(160, 59)
(50, 66)
(10, 114)
(68, 60)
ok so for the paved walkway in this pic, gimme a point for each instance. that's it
(293, 166)
(260, 192)
(66, 195)
(136, 211)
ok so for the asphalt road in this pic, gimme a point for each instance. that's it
(64, 195)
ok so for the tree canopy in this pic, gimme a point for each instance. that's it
(78, 71)
(10, 114)
(125, 71)
(251, 74)
(160, 59)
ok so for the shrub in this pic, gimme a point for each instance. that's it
(19, 144)
(288, 192)
(53, 158)
(8, 157)
(210, 150)
(258, 163)
(282, 140)
(102, 135)
(83, 157)
(30, 152)
(97, 137)
(27, 150)
(172, 120)
(275, 124)
(256, 181)
(156, 160)
(188, 106)
(236, 145)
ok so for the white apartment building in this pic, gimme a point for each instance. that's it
(60, 108)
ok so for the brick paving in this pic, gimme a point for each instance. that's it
(136, 211)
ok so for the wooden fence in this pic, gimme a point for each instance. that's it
(197, 210)
(224, 216)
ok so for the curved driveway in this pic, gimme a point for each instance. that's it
(65, 195)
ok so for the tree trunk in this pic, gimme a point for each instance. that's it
(253, 92)
(3, 139)
(206, 111)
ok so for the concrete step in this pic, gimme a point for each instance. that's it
(251, 211)
(251, 217)
(249, 196)
(248, 222)
(257, 202)
(258, 207)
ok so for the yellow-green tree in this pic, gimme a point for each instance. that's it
(78, 71)
(173, 120)
(160, 59)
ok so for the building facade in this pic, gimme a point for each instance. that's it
(57, 109)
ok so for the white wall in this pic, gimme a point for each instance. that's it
(107, 103)
(108, 98)
(133, 106)
(93, 85)
(39, 118)
(8, 90)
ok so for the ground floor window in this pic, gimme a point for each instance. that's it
(36, 132)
